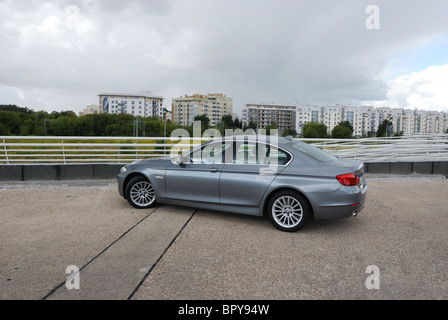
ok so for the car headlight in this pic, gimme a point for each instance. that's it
(123, 169)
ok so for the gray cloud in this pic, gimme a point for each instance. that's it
(317, 52)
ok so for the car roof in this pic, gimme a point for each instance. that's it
(257, 137)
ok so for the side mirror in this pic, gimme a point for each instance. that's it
(180, 160)
(177, 160)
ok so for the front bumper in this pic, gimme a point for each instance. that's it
(120, 179)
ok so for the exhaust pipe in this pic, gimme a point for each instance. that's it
(354, 213)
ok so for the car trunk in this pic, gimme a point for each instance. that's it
(342, 166)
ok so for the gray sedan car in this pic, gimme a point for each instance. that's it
(286, 180)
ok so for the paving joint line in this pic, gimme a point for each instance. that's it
(52, 291)
(161, 256)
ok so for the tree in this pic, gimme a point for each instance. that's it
(26, 126)
(14, 108)
(63, 126)
(15, 120)
(154, 127)
(344, 130)
(289, 132)
(11, 121)
(385, 129)
(251, 125)
(270, 127)
(101, 121)
(348, 125)
(228, 121)
(85, 125)
(341, 132)
(238, 123)
(205, 121)
(4, 130)
(314, 130)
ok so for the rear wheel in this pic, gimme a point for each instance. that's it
(140, 193)
(288, 211)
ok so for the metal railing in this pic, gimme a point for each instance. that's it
(66, 150)
(118, 150)
(424, 147)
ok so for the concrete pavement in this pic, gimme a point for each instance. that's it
(180, 253)
(44, 230)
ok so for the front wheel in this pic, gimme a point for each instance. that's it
(288, 211)
(140, 193)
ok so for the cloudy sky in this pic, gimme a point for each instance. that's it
(58, 55)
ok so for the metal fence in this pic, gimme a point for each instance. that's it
(429, 147)
(66, 150)
(117, 150)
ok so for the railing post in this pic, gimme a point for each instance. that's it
(6, 151)
(63, 150)
(118, 150)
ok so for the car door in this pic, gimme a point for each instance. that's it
(197, 179)
(246, 177)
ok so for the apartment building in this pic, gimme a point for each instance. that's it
(281, 115)
(366, 119)
(360, 118)
(214, 106)
(92, 109)
(143, 104)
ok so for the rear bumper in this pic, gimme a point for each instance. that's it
(353, 203)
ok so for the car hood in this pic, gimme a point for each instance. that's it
(160, 163)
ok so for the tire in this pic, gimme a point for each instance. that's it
(140, 193)
(288, 211)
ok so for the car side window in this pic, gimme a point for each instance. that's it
(275, 154)
(246, 153)
(210, 153)
(259, 153)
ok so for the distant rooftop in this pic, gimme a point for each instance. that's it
(202, 96)
(270, 104)
(145, 94)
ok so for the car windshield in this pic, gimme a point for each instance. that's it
(312, 151)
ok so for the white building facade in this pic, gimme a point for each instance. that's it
(143, 104)
(366, 119)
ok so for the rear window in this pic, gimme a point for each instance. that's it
(312, 151)
(260, 153)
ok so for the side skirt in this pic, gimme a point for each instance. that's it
(253, 211)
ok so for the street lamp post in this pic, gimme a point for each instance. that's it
(45, 124)
(165, 111)
(220, 123)
(135, 127)
(387, 126)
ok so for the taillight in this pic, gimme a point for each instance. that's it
(348, 179)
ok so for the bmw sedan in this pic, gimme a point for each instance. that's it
(286, 180)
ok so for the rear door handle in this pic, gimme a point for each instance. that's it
(213, 170)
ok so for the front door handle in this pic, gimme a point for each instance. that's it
(213, 170)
